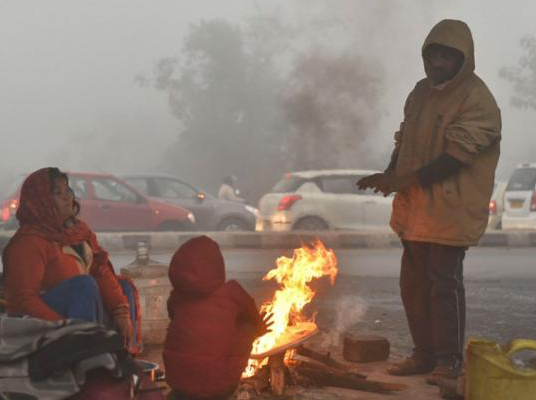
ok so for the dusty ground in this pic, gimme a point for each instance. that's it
(500, 305)
(417, 389)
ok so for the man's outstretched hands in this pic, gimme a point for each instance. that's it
(387, 182)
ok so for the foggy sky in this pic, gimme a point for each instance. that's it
(67, 70)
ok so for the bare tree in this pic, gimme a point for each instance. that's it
(331, 105)
(251, 105)
(224, 90)
(523, 75)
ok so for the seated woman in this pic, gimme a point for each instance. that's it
(53, 266)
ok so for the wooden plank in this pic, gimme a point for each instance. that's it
(292, 337)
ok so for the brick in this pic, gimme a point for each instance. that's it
(360, 348)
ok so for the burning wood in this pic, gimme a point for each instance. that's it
(279, 356)
(290, 326)
(253, 386)
(323, 358)
(319, 371)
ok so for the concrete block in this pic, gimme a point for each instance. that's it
(492, 239)
(370, 239)
(130, 240)
(183, 237)
(382, 240)
(330, 239)
(224, 239)
(532, 239)
(247, 240)
(166, 240)
(279, 240)
(359, 348)
(518, 239)
(352, 241)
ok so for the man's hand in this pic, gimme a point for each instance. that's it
(388, 182)
(371, 181)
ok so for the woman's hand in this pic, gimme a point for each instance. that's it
(124, 325)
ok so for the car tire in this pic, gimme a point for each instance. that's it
(233, 225)
(170, 226)
(310, 224)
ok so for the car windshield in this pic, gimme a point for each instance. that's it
(140, 184)
(111, 190)
(171, 189)
(288, 184)
(522, 179)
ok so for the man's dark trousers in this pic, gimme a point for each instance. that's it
(431, 286)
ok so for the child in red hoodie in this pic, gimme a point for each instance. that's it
(213, 324)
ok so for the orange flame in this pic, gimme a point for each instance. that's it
(293, 274)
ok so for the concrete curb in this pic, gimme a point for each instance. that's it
(117, 241)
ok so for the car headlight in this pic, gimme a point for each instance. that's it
(191, 217)
(252, 210)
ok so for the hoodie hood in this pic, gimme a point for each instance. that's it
(197, 267)
(455, 34)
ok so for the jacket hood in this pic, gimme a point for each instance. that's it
(197, 267)
(455, 34)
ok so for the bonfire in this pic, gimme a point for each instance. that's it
(293, 276)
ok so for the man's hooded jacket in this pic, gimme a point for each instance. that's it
(212, 323)
(460, 118)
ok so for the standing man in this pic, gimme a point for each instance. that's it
(442, 170)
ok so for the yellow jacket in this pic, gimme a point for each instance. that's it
(462, 119)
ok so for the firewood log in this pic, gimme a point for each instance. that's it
(258, 382)
(277, 373)
(323, 358)
(348, 380)
(317, 364)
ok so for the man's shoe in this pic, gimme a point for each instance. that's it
(411, 366)
(444, 372)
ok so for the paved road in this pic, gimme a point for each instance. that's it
(481, 263)
(500, 285)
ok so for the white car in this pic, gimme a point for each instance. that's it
(496, 205)
(323, 199)
(520, 199)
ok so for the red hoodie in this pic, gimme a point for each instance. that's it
(212, 323)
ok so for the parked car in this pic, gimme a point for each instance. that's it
(211, 213)
(109, 204)
(520, 198)
(323, 199)
(496, 205)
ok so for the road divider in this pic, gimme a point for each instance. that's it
(117, 241)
